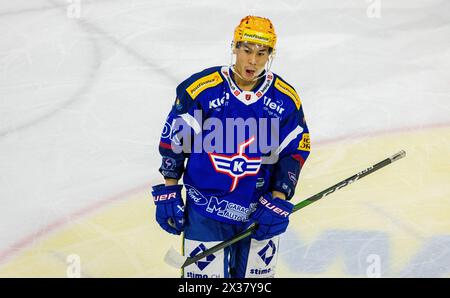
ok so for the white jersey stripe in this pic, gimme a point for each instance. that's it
(192, 122)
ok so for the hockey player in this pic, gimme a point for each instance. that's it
(230, 176)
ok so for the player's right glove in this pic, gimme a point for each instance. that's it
(272, 215)
(169, 207)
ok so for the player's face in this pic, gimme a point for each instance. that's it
(251, 60)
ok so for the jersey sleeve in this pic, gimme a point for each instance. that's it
(292, 153)
(174, 145)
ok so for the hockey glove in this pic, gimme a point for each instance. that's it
(169, 207)
(272, 216)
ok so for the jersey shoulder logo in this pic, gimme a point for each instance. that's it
(203, 83)
(304, 143)
(289, 91)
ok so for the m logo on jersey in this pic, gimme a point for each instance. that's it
(268, 252)
(205, 261)
(236, 166)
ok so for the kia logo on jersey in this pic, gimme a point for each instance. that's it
(236, 166)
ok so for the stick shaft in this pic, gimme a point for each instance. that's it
(236, 238)
(300, 205)
(349, 180)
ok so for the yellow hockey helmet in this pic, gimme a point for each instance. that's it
(256, 30)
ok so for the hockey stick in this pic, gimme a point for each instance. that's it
(174, 259)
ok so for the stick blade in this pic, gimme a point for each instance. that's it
(174, 259)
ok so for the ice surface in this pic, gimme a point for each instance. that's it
(83, 99)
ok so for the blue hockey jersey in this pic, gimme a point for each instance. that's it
(231, 145)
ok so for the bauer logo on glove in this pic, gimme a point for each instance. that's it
(165, 197)
(273, 207)
(272, 216)
(169, 207)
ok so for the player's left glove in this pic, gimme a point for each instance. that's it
(272, 215)
(169, 207)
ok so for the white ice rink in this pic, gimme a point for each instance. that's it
(85, 87)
